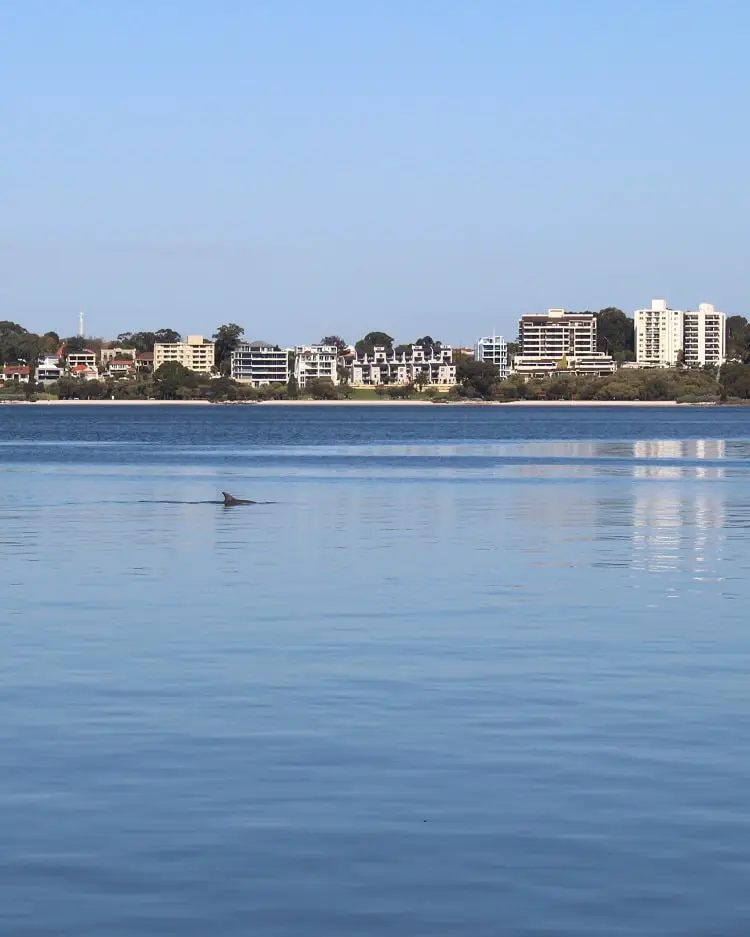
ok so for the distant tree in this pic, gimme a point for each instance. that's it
(429, 344)
(322, 388)
(227, 338)
(73, 344)
(738, 339)
(336, 340)
(145, 341)
(292, 388)
(171, 378)
(475, 378)
(166, 336)
(421, 380)
(560, 388)
(367, 344)
(17, 344)
(221, 388)
(50, 343)
(141, 341)
(615, 333)
(734, 381)
(514, 348)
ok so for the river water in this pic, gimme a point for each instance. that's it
(473, 671)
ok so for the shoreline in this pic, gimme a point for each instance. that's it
(354, 403)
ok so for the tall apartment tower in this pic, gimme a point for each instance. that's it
(658, 335)
(493, 349)
(661, 334)
(704, 336)
(557, 334)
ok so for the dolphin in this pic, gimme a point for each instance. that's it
(230, 500)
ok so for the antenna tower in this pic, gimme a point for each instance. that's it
(80, 325)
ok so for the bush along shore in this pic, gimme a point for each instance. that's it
(476, 382)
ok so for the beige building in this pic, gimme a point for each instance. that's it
(559, 340)
(197, 354)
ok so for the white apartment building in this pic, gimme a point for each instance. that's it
(387, 366)
(493, 349)
(197, 354)
(48, 369)
(260, 363)
(704, 337)
(559, 340)
(75, 359)
(313, 362)
(663, 335)
(658, 335)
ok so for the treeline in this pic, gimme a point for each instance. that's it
(686, 385)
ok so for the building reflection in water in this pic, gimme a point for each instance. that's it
(687, 452)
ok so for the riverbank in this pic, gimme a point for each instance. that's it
(350, 403)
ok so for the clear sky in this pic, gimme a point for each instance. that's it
(312, 166)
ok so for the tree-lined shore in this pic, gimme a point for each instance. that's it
(475, 380)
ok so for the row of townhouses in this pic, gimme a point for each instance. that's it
(262, 363)
(548, 342)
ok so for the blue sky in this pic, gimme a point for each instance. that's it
(312, 166)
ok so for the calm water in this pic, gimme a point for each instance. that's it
(474, 672)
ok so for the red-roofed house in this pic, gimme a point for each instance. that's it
(85, 371)
(18, 373)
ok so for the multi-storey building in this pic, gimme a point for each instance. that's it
(493, 349)
(197, 354)
(704, 337)
(658, 335)
(144, 361)
(313, 362)
(48, 369)
(115, 352)
(559, 340)
(667, 337)
(86, 357)
(259, 363)
(121, 367)
(389, 366)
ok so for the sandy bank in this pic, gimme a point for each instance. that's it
(473, 403)
(348, 403)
